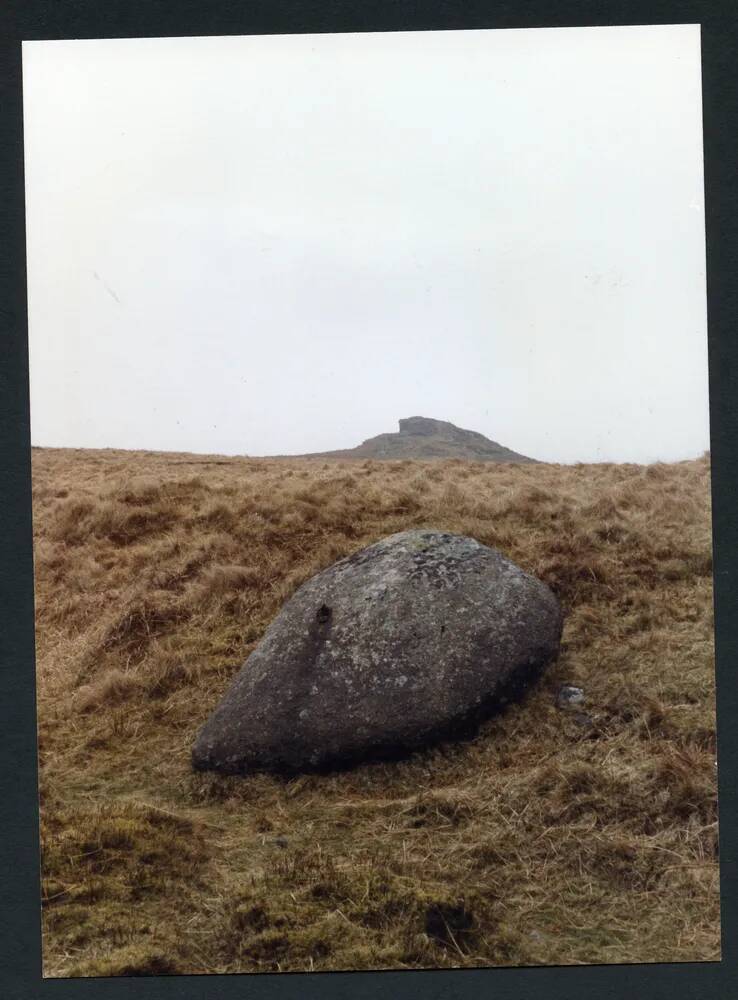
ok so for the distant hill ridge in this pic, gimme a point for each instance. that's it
(424, 437)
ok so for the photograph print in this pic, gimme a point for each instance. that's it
(371, 501)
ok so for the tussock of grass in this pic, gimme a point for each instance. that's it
(553, 837)
(111, 864)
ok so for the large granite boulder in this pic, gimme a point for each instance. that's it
(412, 640)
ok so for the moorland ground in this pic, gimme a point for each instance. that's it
(553, 837)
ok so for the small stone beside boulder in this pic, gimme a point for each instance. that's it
(569, 696)
(412, 640)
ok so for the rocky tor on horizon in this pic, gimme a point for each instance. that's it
(425, 438)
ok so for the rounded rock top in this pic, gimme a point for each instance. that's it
(409, 641)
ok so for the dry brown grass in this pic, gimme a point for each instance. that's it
(548, 839)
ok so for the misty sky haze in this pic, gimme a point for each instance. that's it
(283, 244)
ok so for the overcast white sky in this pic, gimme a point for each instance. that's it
(282, 244)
